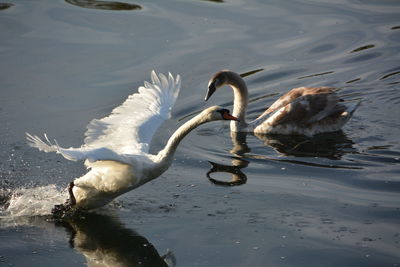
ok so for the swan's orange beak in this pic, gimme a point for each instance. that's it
(229, 117)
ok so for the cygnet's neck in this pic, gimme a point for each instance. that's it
(240, 100)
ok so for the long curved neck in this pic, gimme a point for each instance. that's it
(165, 156)
(240, 100)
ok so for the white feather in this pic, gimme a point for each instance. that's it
(128, 129)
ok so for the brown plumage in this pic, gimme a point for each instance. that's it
(303, 110)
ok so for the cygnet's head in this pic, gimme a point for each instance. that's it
(219, 79)
(216, 113)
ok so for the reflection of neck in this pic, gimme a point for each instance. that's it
(239, 143)
(240, 101)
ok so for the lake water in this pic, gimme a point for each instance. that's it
(333, 200)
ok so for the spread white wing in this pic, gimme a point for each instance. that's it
(128, 129)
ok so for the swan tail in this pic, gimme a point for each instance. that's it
(46, 145)
(37, 142)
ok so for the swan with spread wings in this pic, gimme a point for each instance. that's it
(116, 148)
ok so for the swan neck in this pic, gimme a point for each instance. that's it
(240, 101)
(166, 155)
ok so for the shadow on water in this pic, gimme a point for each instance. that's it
(105, 5)
(105, 241)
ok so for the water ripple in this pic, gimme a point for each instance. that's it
(389, 75)
(4, 6)
(365, 47)
(104, 5)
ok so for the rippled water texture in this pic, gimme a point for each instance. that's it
(240, 200)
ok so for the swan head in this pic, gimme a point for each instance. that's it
(217, 113)
(218, 80)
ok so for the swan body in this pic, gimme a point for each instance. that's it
(116, 149)
(301, 111)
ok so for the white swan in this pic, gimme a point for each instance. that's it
(116, 147)
(301, 111)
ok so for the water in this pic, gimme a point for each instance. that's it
(327, 201)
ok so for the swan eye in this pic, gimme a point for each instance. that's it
(222, 111)
(226, 116)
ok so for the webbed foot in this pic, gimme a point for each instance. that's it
(71, 199)
(59, 211)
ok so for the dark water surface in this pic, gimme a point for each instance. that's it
(333, 200)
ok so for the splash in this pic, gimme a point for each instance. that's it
(30, 202)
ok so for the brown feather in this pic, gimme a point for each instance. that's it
(304, 106)
(295, 93)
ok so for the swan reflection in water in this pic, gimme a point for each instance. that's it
(331, 146)
(104, 241)
(237, 176)
(328, 145)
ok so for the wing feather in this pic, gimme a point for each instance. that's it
(128, 129)
(307, 109)
(296, 94)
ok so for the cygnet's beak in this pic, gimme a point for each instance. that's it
(210, 91)
(228, 116)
